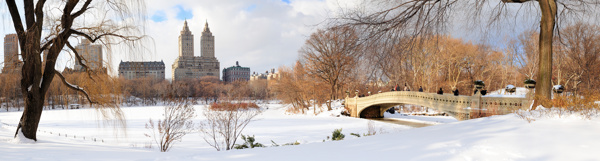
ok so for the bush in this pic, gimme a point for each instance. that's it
(529, 81)
(355, 134)
(510, 88)
(337, 135)
(292, 143)
(584, 105)
(177, 123)
(479, 82)
(370, 128)
(226, 106)
(248, 143)
(225, 122)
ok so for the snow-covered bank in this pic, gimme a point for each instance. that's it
(421, 119)
(70, 130)
(504, 137)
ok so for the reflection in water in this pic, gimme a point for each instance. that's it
(400, 122)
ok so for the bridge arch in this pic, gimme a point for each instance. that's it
(375, 111)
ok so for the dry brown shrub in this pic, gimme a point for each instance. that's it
(525, 115)
(227, 106)
(584, 105)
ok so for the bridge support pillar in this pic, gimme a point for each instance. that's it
(352, 107)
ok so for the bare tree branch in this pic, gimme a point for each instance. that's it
(17, 22)
(95, 38)
(82, 10)
(74, 87)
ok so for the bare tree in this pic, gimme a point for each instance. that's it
(224, 125)
(581, 52)
(291, 89)
(427, 17)
(63, 26)
(330, 55)
(524, 53)
(177, 122)
(298, 88)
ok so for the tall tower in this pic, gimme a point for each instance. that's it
(92, 55)
(207, 43)
(11, 52)
(186, 42)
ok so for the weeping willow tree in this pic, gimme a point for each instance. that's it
(385, 19)
(50, 27)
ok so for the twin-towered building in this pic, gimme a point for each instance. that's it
(188, 66)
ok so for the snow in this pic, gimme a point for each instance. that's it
(505, 137)
(556, 87)
(434, 120)
(521, 92)
(29, 88)
(21, 139)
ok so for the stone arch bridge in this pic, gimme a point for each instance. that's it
(459, 107)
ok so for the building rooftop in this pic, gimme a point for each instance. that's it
(237, 65)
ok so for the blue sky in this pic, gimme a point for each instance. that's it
(186, 13)
(159, 16)
(182, 14)
(251, 8)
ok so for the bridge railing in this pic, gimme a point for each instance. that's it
(504, 104)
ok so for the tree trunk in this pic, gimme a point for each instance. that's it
(331, 97)
(31, 115)
(544, 76)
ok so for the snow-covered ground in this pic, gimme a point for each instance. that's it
(421, 119)
(520, 92)
(495, 138)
